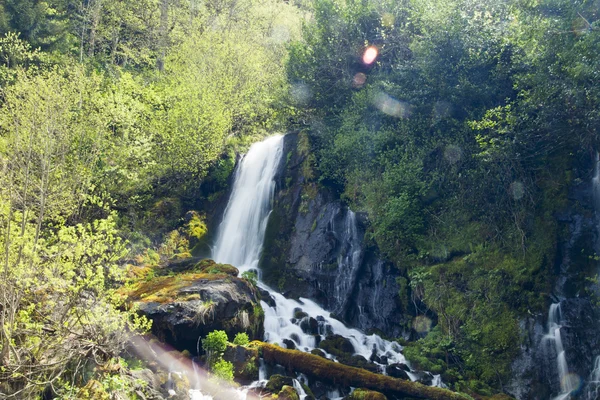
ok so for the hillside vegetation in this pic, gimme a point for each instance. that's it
(459, 138)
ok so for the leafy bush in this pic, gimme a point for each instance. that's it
(214, 344)
(223, 370)
(241, 339)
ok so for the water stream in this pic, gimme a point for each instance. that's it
(303, 323)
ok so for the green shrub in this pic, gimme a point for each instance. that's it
(223, 370)
(214, 344)
(251, 277)
(241, 339)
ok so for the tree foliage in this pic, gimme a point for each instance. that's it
(455, 141)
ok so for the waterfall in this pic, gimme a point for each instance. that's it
(242, 231)
(349, 261)
(553, 336)
(300, 324)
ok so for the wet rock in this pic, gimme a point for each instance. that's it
(266, 297)
(299, 314)
(277, 382)
(245, 363)
(309, 326)
(359, 361)
(290, 344)
(397, 371)
(337, 345)
(188, 306)
(318, 352)
(374, 357)
(426, 378)
(314, 248)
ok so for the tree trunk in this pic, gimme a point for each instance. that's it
(331, 372)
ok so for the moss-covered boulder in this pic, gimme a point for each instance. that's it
(189, 305)
(337, 345)
(277, 382)
(245, 362)
(288, 393)
(365, 394)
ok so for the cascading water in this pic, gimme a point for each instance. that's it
(242, 231)
(349, 262)
(553, 337)
(593, 388)
(301, 324)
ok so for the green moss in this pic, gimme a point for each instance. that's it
(288, 393)
(365, 394)
(277, 382)
(211, 267)
(163, 289)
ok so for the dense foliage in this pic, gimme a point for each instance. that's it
(111, 113)
(460, 141)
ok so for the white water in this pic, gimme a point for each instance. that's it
(242, 231)
(553, 336)
(239, 242)
(349, 261)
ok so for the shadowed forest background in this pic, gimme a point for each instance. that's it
(120, 120)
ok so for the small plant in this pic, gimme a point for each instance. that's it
(223, 370)
(214, 344)
(241, 339)
(251, 277)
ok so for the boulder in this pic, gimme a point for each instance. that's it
(245, 362)
(186, 307)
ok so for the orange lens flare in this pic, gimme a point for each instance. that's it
(370, 55)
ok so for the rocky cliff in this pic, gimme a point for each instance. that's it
(315, 247)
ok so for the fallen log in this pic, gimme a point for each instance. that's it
(331, 372)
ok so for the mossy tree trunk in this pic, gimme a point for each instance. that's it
(339, 374)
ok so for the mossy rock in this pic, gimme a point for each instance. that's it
(164, 289)
(245, 362)
(277, 382)
(337, 345)
(288, 393)
(211, 267)
(318, 352)
(93, 390)
(365, 394)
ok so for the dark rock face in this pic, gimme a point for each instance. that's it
(201, 305)
(315, 248)
(535, 371)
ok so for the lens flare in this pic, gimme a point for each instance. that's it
(370, 55)
(280, 34)
(452, 153)
(422, 324)
(300, 93)
(388, 20)
(184, 372)
(517, 190)
(359, 80)
(390, 106)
